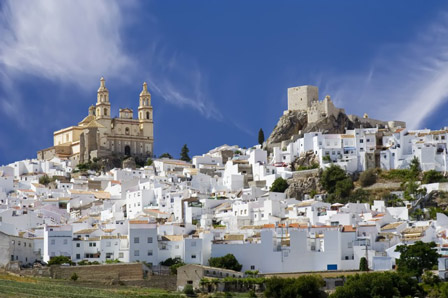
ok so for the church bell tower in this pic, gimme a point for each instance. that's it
(102, 101)
(145, 117)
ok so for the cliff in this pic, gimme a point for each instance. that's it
(293, 124)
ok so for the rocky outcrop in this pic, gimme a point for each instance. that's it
(300, 184)
(129, 163)
(289, 125)
(306, 160)
(293, 124)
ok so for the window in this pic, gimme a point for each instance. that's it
(361, 141)
(252, 267)
(149, 252)
(136, 253)
(149, 239)
(121, 255)
(92, 244)
(193, 256)
(78, 244)
(18, 243)
(136, 240)
(78, 256)
(65, 241)
(147, 115)
(105, 112)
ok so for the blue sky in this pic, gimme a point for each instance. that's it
(217, 70)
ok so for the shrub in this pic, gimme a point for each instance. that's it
(279, 185)
(433, 176)
(113, 261)
(173, 268)
(189, 291)
(227, 262)
(336, 182)
(44, 180)
(59, 260)
(171, 261)
(165, 155)
(367, 178)
(74, 276)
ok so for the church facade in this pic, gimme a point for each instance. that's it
(99, 135)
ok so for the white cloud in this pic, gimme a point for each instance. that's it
(404, 82)
(72, 41)
(76, 42)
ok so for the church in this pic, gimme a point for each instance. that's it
(98, 135)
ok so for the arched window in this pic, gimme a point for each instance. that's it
(105, 112)
(147, 115)
(127, 130)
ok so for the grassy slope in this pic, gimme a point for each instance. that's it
(13, 286)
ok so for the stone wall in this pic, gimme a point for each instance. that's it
(122, 272)
(166, 282)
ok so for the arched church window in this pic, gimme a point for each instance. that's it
(127, 130)
(105, 112)
(147, 115)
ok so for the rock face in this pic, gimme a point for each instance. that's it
(289, 125)
(303, 183)
(306, 159)
(293, 124)
(129, 163)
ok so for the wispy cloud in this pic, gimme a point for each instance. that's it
(403, 81)
(63, 40)
(179, 79)
(74, 43)
(68, 42)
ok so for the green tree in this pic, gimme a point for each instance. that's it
(416, 257)
(415, 167)
(333, 178)
(171, 261)
(227, 262)
(363, 266)
(173, 268)
(303, 286)
(367, 178)
(166, 155)
(378, 284)
(149, 162)
(432, 176)
(260, 137)
(184, 153)
(44, 180)
(279, 185)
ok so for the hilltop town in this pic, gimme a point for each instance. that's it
(323, 192)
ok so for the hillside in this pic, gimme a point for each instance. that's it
(293, 124)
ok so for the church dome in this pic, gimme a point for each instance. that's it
(87, 120)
